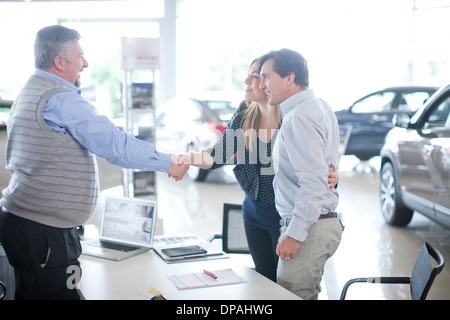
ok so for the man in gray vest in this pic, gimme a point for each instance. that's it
(53, 137)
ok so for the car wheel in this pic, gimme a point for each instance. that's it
(391, 204)
(195, 173)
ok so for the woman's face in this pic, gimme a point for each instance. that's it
(252, 90)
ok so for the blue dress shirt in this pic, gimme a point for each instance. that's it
(307, 143)
(69, 113)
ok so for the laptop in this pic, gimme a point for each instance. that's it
(127, 229)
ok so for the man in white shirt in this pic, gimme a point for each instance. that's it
(306, 146)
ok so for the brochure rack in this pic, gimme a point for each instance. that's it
(140, 64)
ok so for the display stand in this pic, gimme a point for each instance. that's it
(140, 64)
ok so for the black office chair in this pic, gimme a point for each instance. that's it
(421, 279)
(234, 239)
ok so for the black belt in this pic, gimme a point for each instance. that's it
(284, 222)
(328, 215)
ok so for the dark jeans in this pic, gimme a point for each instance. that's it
(262, 245)
(41, 256)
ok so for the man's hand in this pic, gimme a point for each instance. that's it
(178, 168)
(287, 248)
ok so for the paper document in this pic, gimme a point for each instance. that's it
(202, 279)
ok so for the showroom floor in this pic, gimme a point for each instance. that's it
(369, 246)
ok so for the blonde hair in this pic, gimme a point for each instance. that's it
(250, 122)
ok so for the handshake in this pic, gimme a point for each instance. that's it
(182, 162)
(180, 165)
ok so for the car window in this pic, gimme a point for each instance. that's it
(223, 109)
(218, 106)
(438, 118)
(412, 101)
(380, 102)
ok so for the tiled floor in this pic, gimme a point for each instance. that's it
(369, 246)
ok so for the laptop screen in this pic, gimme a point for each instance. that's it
(129, 220)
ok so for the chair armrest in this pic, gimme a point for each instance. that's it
(389, 280)
(392, 280)
(214, 236)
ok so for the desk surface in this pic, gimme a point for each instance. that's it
(131, 278)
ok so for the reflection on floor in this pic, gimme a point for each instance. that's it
(369, 246)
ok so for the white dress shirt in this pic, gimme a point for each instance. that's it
(307, 143)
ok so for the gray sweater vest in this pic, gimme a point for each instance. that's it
(54, 178)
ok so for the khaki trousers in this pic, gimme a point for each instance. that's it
(303, 274)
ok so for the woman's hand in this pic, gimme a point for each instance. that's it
(333, 177)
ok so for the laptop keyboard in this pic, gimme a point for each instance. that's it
(114, 246)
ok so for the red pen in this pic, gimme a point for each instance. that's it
(209, 273)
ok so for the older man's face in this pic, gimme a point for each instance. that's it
(75, 64)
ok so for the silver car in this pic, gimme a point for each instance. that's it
(415, 164)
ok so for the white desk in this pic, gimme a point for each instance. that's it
(130, 279)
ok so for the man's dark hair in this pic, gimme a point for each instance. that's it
(286, 61)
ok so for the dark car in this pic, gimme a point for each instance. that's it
(415, 164)
(369, 119)
(191, 125)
